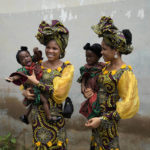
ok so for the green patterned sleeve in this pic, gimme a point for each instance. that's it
(82, 70)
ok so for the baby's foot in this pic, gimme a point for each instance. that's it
(9, 79)
(24, 119)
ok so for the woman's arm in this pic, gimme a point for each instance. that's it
(61, 85)
(83, 85)
(128, 106)
(128, 92)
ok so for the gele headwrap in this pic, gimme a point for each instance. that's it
(55, 31)
(111, 35)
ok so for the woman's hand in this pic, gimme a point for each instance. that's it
(93, 123)
(88, 93)
(32, 79)
(26, 93)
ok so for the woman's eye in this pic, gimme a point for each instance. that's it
(55, 48)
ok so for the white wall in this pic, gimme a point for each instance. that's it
(17, 6)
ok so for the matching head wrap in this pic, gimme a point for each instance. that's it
(112, 36)
(56, 31)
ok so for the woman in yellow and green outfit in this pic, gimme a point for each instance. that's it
(54, 85)
(118, 91)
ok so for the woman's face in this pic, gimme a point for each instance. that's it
(91, 58)
(52, 51)
(107, 52)
(25, 58)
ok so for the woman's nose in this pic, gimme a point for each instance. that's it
(50, 50)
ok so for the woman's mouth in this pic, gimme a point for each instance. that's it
(50, 55)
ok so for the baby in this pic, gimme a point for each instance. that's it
(88, 79)
(30, 64)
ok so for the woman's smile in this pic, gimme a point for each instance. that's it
(50, 55)
(52, 51)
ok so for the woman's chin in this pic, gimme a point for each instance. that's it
(51, 59)
(106, 60)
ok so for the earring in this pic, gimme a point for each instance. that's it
(115, 56)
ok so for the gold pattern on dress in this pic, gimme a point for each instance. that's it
(110, 132)
(59, 143)
(49, 70)
(67, 140)
(105, 140)
(100, 148)
(38, 143)
(49, 144)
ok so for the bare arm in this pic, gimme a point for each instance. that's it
(82, 86)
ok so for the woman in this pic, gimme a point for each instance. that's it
(54, 85)
(116, 82)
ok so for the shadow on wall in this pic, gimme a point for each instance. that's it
(12, 106)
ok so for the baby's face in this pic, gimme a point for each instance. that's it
(91, 58)
(25, 58)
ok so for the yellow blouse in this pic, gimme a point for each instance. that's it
(128, 92)
(118, 87)
(62, 84)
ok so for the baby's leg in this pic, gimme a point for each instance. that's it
(24, 118)
(28, 111)
(46, 107)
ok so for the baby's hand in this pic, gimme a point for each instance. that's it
(13, 78)
(88, 93)
(9, 79)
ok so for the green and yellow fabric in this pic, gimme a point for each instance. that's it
(111, 35)
(55, 31)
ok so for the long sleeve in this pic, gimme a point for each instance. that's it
(128, 92)
(128, 106)
(61, 85)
